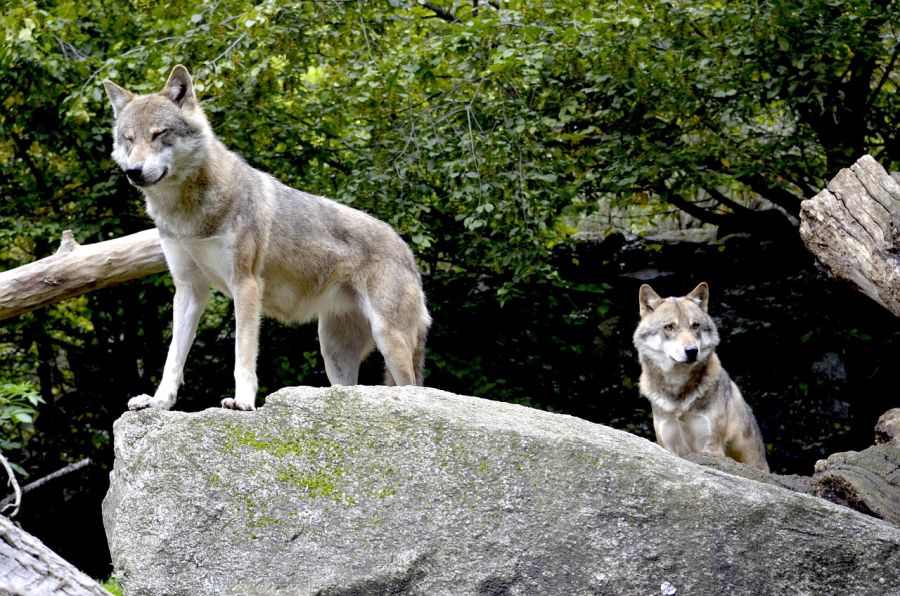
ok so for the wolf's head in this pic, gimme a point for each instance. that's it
(675, 331)
(160, 138)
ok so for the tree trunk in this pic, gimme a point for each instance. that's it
(27, 566)
(76, 270)
(853, 229)
(864, 480)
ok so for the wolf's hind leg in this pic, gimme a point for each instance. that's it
(345, 339)
(400, 348)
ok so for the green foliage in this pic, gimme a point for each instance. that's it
(112, 586)
(479, 132)
(18, 409)
(483, 132)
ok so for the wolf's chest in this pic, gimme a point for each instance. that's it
(210, 260)
(686, 433)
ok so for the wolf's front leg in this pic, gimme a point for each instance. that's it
(190, 301)
(247, 314)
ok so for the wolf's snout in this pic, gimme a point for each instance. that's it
(691, 353)
(135, 173)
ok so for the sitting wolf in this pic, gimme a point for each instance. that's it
(273, 249)
(696, 405)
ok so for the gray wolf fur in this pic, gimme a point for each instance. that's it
(696, 405)
(272, 249)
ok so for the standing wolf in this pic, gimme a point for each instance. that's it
(272, 249)
(696, 405)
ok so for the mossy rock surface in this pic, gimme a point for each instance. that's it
(376, 490)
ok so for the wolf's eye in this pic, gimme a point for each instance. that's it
(158, 134)
(669, 327)
(695, 325)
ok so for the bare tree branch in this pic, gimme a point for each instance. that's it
(887, 73)
(771, 192)
(76, 270)
(42, 481)
(724, 200)
(16, 490)
(704, 215)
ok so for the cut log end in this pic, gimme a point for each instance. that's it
(853, 229)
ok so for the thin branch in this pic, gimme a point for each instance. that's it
(110, 61)
(16, 489)
(227, 51)
(69, 51)
(362, 24)
(777, 195)
(42, 481)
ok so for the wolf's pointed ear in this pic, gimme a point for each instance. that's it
(700, 295)
(179, 88)
(649, 300)
(118, 96)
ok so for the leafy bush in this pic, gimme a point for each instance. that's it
(18, 409)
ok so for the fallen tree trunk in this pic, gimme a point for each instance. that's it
(853, 228)
(77, 269)
(863, 480)
(27, 566)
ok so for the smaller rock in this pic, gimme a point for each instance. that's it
(667, 589)
(887, 428)
(830, 368)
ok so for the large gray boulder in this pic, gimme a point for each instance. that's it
(376, 490)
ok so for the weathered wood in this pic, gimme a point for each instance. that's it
(853, 228)
(27, 566)
(867, 480)
(887, 428)
(77, 269)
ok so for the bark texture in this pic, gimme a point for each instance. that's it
(853, 229)
(868, 480)
(77, 269)
(887, 428)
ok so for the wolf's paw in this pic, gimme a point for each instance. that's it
(139, 402)
(143, 401)
(238, 404)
